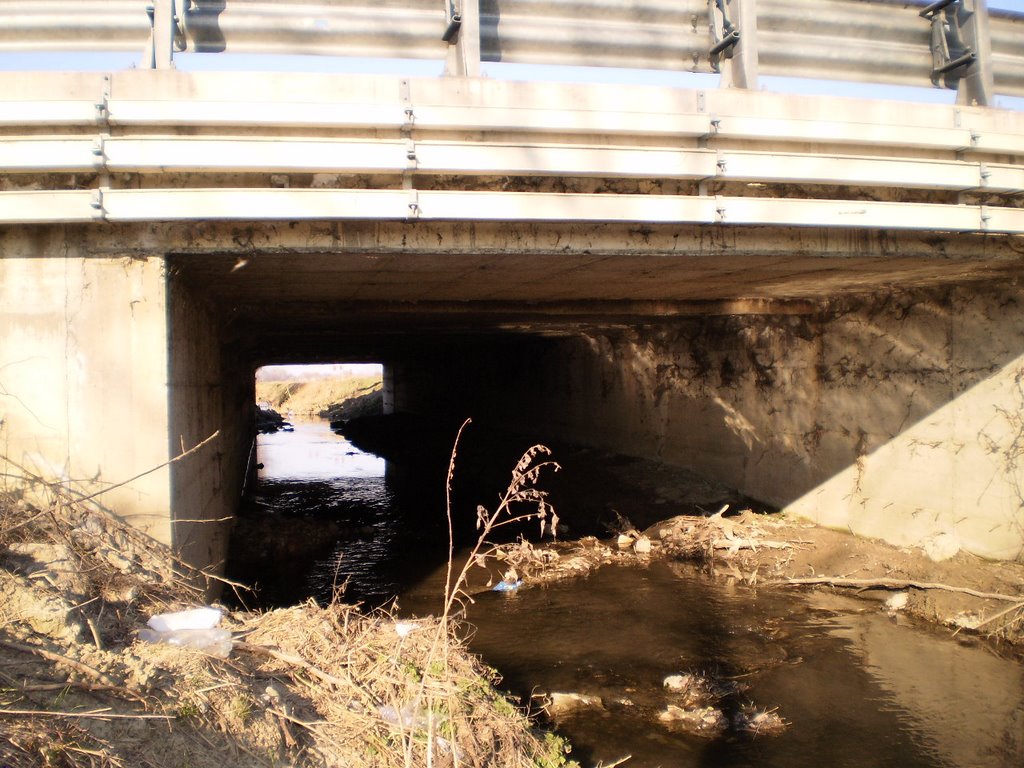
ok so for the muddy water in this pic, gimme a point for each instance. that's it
(858, 688)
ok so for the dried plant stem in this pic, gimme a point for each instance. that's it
(839, 581)
(44, 687)
(296, 661)
(451, 532)
(30, 475)
(737, 543)
(195, 448)
(95, 715)
(990, 619)
(68, 662)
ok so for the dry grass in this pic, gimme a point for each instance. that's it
(316, 396)
(304, 686)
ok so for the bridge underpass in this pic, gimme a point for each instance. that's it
(876, 393)
(867, 392)
(814, 300)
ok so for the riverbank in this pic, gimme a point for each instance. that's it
(302, 686)
(328, 397)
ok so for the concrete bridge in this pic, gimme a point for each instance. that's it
(815, 299)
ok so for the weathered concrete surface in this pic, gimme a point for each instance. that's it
(83, 373)
(895, 417)
(106, 372)
(210, 392)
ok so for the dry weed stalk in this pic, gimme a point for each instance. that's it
(438, 695)
(521, 491)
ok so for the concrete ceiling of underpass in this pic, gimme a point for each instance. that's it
(314, 303)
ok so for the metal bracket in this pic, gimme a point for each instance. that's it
(409, 112)
(103, 107)
(453, 19)
(99, 151)
(960, 48)
(413, 204)
(949, 52)
(724, 34)
(96, 203)
(726, 19)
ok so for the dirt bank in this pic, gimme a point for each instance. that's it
(304, 686)
(320, 397)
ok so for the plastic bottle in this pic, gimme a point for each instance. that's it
(194, 618)
(215, 642)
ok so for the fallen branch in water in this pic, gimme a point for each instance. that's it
(839, 581)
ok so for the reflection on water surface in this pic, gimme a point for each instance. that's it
(859, 689)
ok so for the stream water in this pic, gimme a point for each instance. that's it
(857, 687)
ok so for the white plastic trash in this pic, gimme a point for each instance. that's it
(215, 642)
(195, 628)
(196, 618)
(403, 628)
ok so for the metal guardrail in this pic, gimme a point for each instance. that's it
(436, 145)
(951, 43)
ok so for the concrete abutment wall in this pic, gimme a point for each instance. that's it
(896, 416)
(108, 371)
(83, 371)
(210, 392)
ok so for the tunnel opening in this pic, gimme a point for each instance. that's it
(793, 380)
(617, 636)
(351, 498)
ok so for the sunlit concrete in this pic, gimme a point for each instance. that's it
(83, 374)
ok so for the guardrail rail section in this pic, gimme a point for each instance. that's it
(157, 144)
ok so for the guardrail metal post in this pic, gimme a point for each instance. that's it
(977, 83)
(159, 51)
(462, 33)
(733, 25)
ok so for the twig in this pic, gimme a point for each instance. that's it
(95, 632)
(30, 475)
(999, 615)
(151, 470)
(750, 544)
(451, 532)
(839, 581)
(296, 661)
(95, 715)
(43, 687)
(283, 718)
(23, 523)
(58, 658)
(200, 520)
